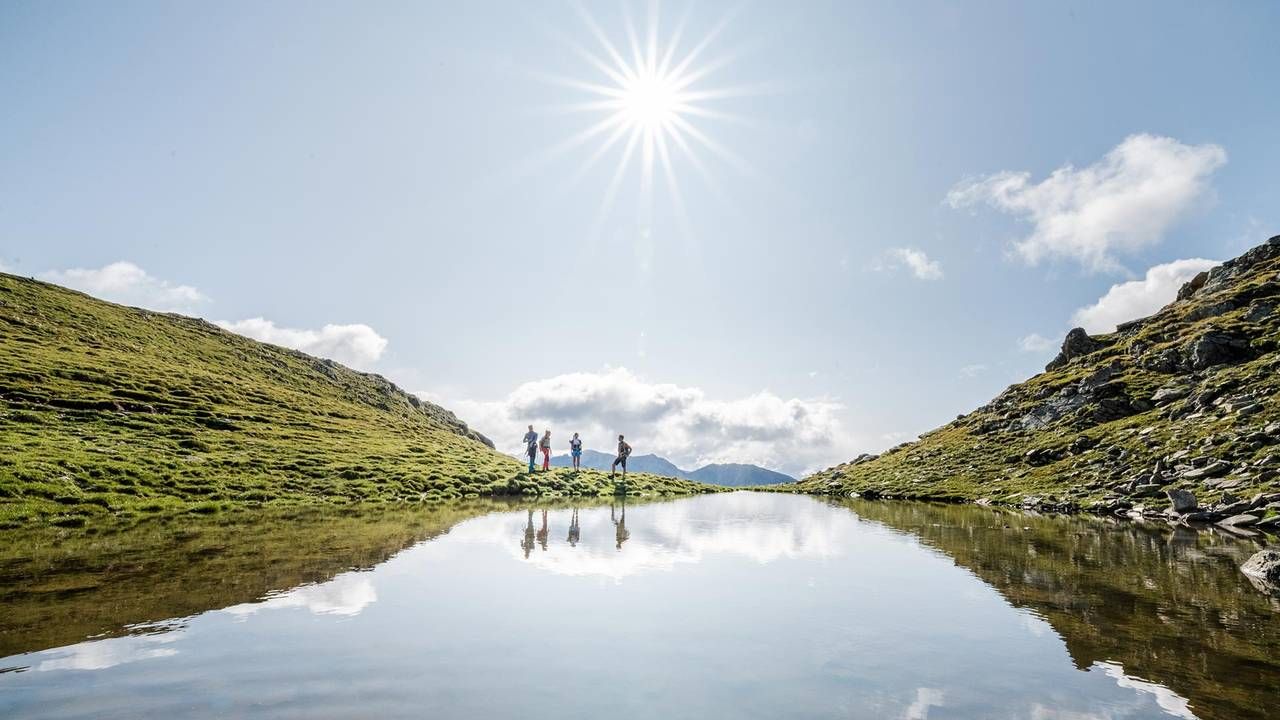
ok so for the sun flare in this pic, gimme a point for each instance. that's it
(650, 104)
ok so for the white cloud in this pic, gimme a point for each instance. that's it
(357, 345)
(126, 283)
(1140, 298)
(1036, 343)
(679, 423)
(971, 371)
(917, 261)
(1122, 203)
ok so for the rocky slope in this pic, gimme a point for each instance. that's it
(1175, 414)
(111, 409)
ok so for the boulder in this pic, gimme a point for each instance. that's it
(1217, 347)
(1076, 344)
(1170, 393)
(1241, 520)
(1183, 501)
(1264, 569)
(1192, 286)
(1217, 468)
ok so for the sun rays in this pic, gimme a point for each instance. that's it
(651, 108)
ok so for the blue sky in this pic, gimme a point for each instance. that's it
(910, 206)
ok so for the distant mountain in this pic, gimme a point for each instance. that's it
(727, 474)
(737, 475)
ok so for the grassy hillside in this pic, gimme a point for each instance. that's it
(110, 409)
(1188, 398)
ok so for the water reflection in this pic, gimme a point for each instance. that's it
(346, 594)
(735, 605)
(575, 530)
(673, 534)
(103, 654)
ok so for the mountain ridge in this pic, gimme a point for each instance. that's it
(724, 474)
(1154, 419)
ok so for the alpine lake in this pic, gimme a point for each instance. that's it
(739, 605)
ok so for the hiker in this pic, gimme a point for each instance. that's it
(623, 451)
(531, 446)
(542, 534)
(575, 449)
(621, 533)
(546, 451)
(575, 530)
(527, 543)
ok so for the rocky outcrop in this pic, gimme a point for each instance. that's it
(1076, 344)
(1217, 347)
(1264, 570)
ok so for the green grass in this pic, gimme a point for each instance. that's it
(109, 410)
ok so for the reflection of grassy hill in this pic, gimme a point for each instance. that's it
(1170, 605)
(106, 408)
(59, 586)
(1188, 398)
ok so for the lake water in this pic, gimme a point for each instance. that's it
(738, 605)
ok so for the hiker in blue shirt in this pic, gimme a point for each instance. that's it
(575, 449)
(531, 446)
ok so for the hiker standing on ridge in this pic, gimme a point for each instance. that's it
(546, 451)
(531, 446)
(575, 449)
(624, 450)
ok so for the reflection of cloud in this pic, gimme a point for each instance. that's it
(925, 699)
(1040, 712)
(1035, 624)
(1169, 701)
(665, 535)
(346, 594)
(102, 654)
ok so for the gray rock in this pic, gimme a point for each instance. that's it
(1076, 344)
(1272, 429)
(1241, 520)
(1217, 468)
(1217, 347)
(1250, 409)
(1169, 394)
(1191, 287)
(1263, 569)
(1183, 501)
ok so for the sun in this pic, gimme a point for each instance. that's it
(650, 101)
(652, 106)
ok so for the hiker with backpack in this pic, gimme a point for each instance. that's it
(575, 449)
(531, 446)
(624, 450)
(546, 451)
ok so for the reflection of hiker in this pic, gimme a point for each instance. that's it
(624, 450)
(546, 451)
(620, 524)
(531, 446)
(527, 543)
(542, 534)
(575, 449)
(575, 532)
